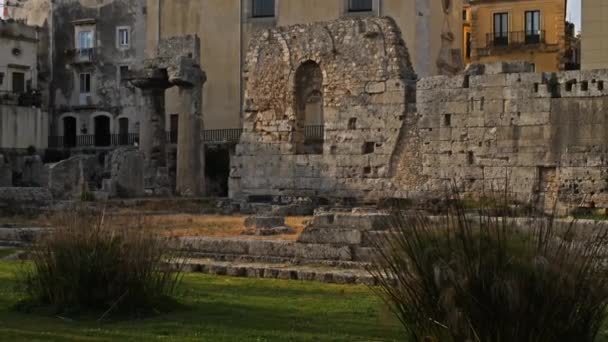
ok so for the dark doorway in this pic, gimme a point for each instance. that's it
(123, 131)
(102, 131)
(217, 170)
(69, 131)
(18, 82)
(173, 128)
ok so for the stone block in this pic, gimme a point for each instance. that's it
(282, 249)
(214, 245)
(66, 178)
(375, 87)
(323, 252)
(127, 173)
(367, 221)
(257, 221)
(25, 198)
(330, 236)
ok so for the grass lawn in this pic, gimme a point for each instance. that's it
(221, 309)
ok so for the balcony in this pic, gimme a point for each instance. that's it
(314, 134)
(82, 56)
(515, 39)
(30, 98)
(91, 140)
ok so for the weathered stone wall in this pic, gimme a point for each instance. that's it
(543, 136)
(366, 80)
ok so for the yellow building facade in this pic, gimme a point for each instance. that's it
(594, 42)
(520, 30)
(431, 30)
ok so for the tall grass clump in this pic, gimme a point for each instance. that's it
(88, 263)
(476, 277)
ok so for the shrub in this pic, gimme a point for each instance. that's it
(463, 277)
(89, 264)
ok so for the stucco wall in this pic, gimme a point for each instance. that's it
(108, 94)
(226, 27)
(19, 53)
(21, 127)
(594, 52)
(546, 57)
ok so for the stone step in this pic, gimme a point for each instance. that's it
(288, 250)
(359, 221)
(280, 271)
(361, 253)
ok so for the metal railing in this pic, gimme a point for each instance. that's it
(92, 140)
(25, 99)
(230, 135)
(314, 133)
(86, 55)
(515, 38)
(222, 135)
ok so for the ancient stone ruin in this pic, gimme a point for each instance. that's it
(382, 134)
(324, 105)
(175, 64)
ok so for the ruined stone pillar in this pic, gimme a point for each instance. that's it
(190, 178)
(152, 137)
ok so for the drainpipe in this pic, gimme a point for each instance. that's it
(159, 19)
(241, 17)
(51, 59)
(379, 8)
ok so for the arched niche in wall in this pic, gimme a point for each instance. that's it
(309, 108)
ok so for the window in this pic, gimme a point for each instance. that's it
(84, 80)
(124, 71)
(360, 5)
(501, 29)
(1, 77)
(85, 40)
(262, 8)
(124, 39)
(533, 33)
(464, 15)
(18, 82)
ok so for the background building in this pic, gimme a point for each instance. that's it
(522, 30)
(594, 41)
(431, 32)
(90, 46)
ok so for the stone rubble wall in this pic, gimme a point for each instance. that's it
(367, 78)
(542, 135)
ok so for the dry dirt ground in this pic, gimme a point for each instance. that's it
(202, 225)
(172, 218)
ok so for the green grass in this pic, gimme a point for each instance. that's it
(220, 309)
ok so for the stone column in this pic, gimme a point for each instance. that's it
(190, 178)
(152, 137)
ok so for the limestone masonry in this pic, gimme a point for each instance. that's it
(359, 72)
(543, 135)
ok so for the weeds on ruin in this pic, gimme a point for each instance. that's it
(463, 277)
(89, 264)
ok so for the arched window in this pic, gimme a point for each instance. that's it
(309, 109)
